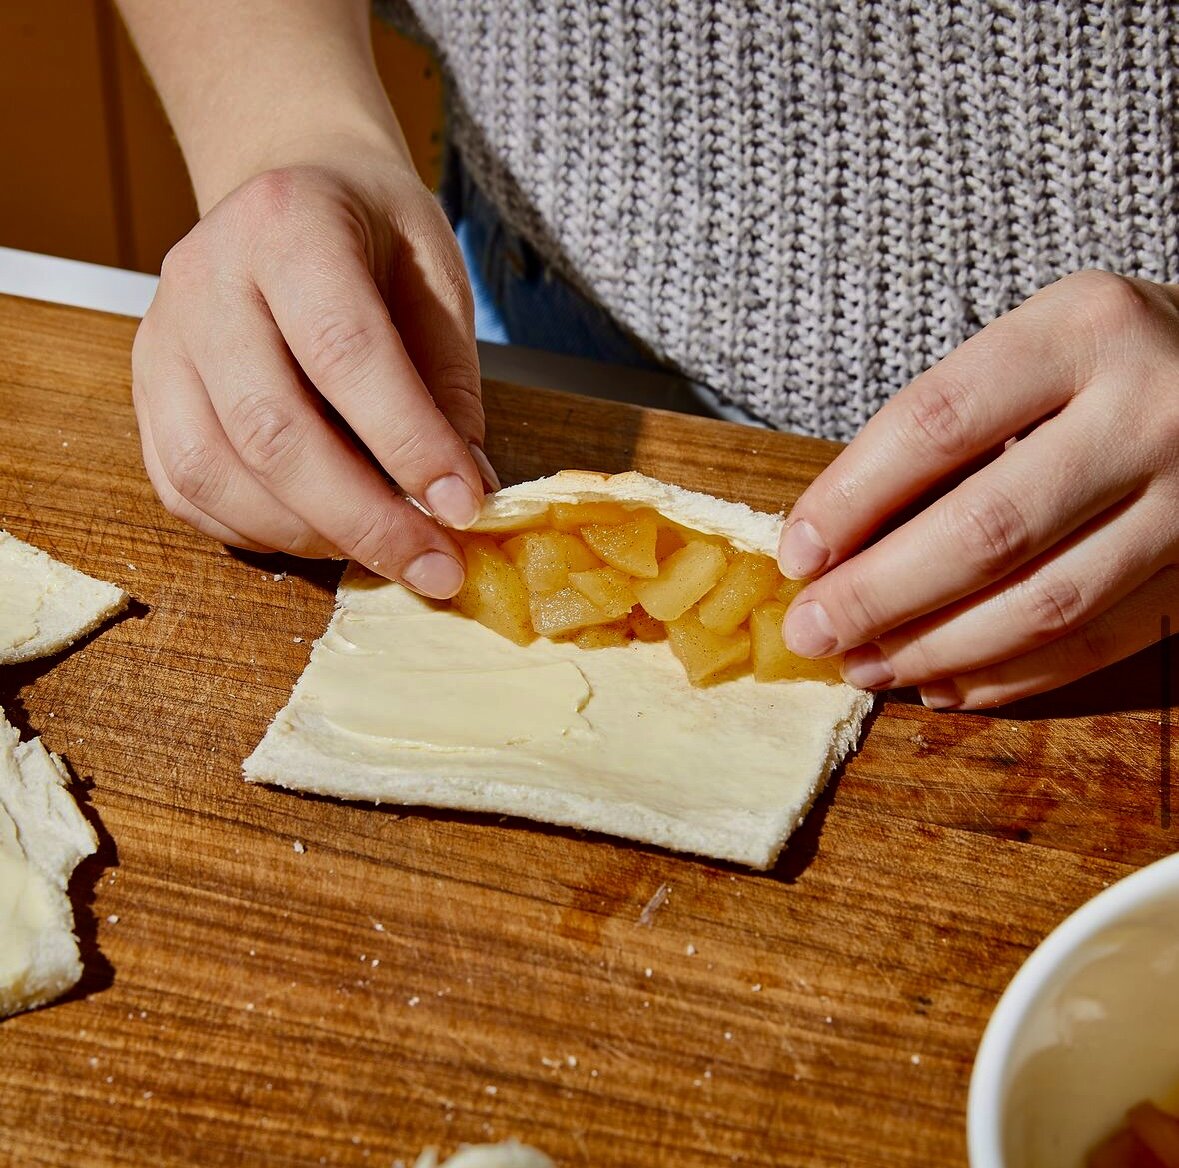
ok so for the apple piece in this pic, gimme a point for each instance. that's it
(702, 652)
(493, 592)
(684, 577)
(748, 580)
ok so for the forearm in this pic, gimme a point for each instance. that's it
(250, 84)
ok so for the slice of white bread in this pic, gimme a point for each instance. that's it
(46, 606)
(509, 1154)
(726, 771)
(43, 837)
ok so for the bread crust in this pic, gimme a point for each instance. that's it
(748, 530)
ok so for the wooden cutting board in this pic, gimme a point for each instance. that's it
(273, 979)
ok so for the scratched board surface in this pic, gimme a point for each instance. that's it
(273, 979)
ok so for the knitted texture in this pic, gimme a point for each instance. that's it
(804, 203)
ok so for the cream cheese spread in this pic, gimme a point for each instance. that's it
(43, 835)
(28, 907)
(400, 677)
(21, 588)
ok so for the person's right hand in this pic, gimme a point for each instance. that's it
(312, 339)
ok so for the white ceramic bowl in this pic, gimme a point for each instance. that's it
(1087, 1028)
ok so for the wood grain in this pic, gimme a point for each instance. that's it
(423, 978)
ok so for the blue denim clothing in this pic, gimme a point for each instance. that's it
(519, 300)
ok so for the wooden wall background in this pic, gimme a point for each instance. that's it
(88, 165)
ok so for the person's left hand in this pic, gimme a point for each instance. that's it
(1056, 555)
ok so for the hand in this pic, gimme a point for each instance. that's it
(1046, 557)
(312, 335)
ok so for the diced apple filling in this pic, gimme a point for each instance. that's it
(602, 575)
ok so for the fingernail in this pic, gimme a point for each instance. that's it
(867, 668)
(808, 630)
(940, 695)
(434, 574)
(801, 552)
(490, 478)
(451, 500)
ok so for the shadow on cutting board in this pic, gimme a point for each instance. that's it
(98, 973)
(1133, 685)
(15, 677)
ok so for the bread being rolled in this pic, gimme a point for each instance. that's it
(409, 701)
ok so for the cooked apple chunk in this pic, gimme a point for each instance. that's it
(645, 627)
(702, 652)
(601, 575)
(772, 661)
(629, 547)
(571, 516)
(493, 592)
(606, 588)
(667, 541)
(545, 558)
(556, 614)
(684, 577)
(748, 580)
(611, 636)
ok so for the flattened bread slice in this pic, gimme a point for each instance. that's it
(46, 606)
(408, 701)
(43, 838)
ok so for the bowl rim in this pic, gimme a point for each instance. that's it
(984, 1101)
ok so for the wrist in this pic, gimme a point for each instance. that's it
(339, 140)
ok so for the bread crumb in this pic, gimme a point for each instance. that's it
(249, 1005)
(648, 972)
(375, 962)
(413, 1001)
(297, 640)
(690, 949)
(299, 846)
(92, 1061)
(728, 1036)
(571, 1060)
(756, 987)
(378, 926)
(654, 904)
(113, 919)
(915, 1059)
(491, 1089)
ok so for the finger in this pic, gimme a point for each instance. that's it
(435, 318)
(331, 314)
(1014, 372)
(1047, 599)
(1126, 628)
(1034, 494)
(305, 462)
(200, 467)
(175, 504)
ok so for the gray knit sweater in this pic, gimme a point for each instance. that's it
(803, 204)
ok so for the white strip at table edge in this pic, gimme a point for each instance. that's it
(62, 281)
(85, 285)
